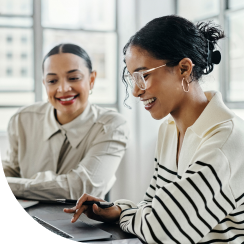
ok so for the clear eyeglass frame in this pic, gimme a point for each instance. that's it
(138, 78)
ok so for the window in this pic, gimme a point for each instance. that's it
(236, 4)
(23, 72)
(9, 39)
(91, 25)
(198, 10)
(24, 39)
(9, 72)
(9, 55)
(228, 77)
(15, 90)
(29, 29)
(23, 55)
(236, 56)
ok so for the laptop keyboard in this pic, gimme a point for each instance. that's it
(51, 228)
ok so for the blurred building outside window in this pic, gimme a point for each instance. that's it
(228, 77)
(30, 28)
(23, 55)
(9, 55)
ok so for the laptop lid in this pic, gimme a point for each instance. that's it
(27, 203)
(78, 231)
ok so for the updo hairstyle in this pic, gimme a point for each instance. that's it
(173, 38)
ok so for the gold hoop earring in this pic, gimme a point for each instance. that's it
(90, 92)
(182, 84)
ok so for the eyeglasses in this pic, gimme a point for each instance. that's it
(138, 78)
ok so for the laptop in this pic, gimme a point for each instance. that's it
(78, 231)
(27, 203)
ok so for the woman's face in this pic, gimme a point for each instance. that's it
(163, 84)
(67, 81)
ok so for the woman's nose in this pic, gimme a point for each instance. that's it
(136, 91)
(64, 86)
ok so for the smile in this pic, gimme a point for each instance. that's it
(67, 100)
(149, 101)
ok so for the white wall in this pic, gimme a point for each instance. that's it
(136, 170)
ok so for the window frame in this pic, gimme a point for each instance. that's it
(38, 30)
(224, 69)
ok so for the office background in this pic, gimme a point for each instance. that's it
(29, 28)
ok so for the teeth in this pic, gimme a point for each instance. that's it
(148, 101)
(67, 99)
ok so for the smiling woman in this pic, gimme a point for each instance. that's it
(68, 78)
(196, 192)
(67, 146)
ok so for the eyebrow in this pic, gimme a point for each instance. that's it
(140, 68)
(73, 70)
(50, 74)
(68, 72)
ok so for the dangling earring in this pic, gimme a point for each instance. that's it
(90, 92)
(182, 84)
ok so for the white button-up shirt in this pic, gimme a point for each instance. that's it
(37, 168)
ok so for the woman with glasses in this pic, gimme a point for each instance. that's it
(196, 194)
(65, 147)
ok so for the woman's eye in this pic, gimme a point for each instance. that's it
(52, 81)
(145, 76)
(74, 78)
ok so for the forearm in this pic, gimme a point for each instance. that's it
(10, 171)
(36, 189)
(48, 185)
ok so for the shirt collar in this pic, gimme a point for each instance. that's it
(75, 130)
(50, 124)
(216, 112)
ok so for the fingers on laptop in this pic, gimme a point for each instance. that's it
(79, 208)
(87, 197)
(70, 210)
(78, 213)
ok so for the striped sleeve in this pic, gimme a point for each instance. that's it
(186, 210)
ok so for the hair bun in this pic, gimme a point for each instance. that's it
(216, 57)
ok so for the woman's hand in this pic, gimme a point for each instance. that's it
(110, 214)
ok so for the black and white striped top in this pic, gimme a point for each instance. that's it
(201, 201)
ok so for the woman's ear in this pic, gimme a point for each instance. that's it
(93, 76)
(186, 67)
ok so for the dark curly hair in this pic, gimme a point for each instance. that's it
(173, 38)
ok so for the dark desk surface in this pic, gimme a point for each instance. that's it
(57, 209)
